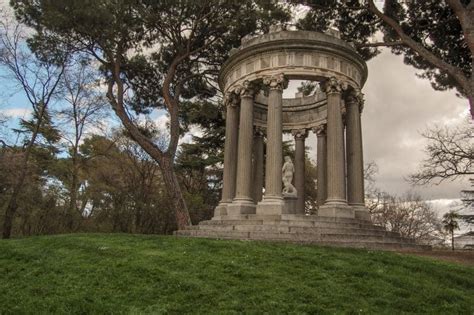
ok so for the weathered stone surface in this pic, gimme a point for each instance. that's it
(267, 62)
(329, 231)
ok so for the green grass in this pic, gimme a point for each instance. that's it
(136, 274)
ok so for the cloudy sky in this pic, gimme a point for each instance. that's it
(398, 107)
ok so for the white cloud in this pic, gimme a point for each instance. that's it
(16, 112)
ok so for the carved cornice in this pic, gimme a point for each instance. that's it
(276, 82)
(320, 130)
(299, 134)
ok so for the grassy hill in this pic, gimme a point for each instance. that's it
(136, 274)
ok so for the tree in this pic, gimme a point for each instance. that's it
(436, 37)
(450, 154)
(84, 104)
(450, 224)
(154, 54)
(408, 215)
(39, 81)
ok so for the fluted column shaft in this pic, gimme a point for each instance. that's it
(230, 149)
(245, 146)
(273, 176)
(335, 145)
(321, 164)
(355, 162)
(300, 136)
(258, 165)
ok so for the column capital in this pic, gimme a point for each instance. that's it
(259, 131)
(299, 134)
(355, 96)
(231, 99)
(333, 85)
(276, 82)
(320, 130)
(246, 89)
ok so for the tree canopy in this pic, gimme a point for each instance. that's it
(436, 37)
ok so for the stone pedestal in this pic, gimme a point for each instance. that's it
(291, 204)
(362, 213)
(336, 211)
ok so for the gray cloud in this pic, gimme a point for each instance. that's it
(398, 106)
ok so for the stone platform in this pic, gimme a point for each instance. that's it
(327, 231)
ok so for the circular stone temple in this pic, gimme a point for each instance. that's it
(253, 80)
(263, 204)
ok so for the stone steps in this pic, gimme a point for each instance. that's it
(292, 223)
(293, 236)
(301, 229)
(291, 228)
(339, 240)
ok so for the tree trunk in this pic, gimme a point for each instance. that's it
(12, 204)
(73, 193)
(175, 194)
(452, 239)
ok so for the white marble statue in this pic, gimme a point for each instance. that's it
(287, 177)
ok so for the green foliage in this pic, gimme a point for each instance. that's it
(201, 31)
(355, 25)
(450, 221)
(430, 23)
(132, 274)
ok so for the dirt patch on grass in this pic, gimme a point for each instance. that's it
(457, 256)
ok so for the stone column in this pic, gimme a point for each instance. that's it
(243, 201)
(272, 202)
(300, 136)
(321, 164)
(230, 151)
(336, 203)
(355, 161)
(258, 164)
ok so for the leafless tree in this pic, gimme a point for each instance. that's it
(84, 108)
(409, 215)
(450, 154)
(39, 82)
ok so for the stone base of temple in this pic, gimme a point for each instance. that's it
(221, 209)
(271, 207)
(239, 207)
(336, 211)
(361, 213)
(345, 232)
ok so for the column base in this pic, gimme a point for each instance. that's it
(241, 206)
(361, 213)
(221, 209)
(273, 206)
(336, 211)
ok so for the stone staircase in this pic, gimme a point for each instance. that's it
(326, 231)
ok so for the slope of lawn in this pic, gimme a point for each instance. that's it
(136, 274)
